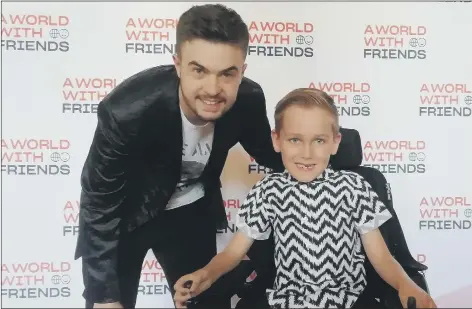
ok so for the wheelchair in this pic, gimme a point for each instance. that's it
(261, 261)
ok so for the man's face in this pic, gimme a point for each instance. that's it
(306, 141)
(210, 75)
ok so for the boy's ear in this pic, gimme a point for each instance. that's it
(275, 140)
(337, 141)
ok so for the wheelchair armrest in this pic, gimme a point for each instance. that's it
(420, 280)
(413, 265)
(406, 260)
(230, 283)
(252, 289)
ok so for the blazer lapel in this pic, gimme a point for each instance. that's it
(174, 135)
(165, 130)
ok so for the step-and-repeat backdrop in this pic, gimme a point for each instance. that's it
(401, 73)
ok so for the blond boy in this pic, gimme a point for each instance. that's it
(320, 217)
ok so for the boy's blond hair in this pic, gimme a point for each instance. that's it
(307, 97)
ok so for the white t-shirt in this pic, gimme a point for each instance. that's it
(197, 142)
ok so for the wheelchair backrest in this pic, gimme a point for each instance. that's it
(349, 157)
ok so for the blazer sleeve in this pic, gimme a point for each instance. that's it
(256, 134)
(103, 183)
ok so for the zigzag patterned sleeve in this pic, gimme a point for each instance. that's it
(254, 215)
(370, 212)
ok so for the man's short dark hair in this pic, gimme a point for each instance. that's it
(214, 23)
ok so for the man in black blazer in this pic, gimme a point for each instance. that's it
(151, 179)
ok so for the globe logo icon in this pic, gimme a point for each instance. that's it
(59, 33)
(468, 100)
(468, 213)
(54, 33)
(56, 279)
(55, 157)
(357, 99)
(417, 156)
(300, 39)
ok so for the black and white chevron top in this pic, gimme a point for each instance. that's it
(317, 229)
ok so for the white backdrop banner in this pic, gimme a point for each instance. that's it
(401, 74)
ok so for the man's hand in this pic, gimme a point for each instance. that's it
(222, 263)
(109, 305)
(410, 289)
(201, 281)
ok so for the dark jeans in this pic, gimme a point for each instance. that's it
(183, 241)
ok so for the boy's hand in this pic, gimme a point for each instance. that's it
(410, 289)
(201, 281)
(222, 263)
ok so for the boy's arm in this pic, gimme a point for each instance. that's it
(383, 262)
(370, 213)
(253, 222)
(392, 272)
(222, 263)
(229, 258)
(203, 279)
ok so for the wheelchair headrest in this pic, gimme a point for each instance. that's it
(349, 153)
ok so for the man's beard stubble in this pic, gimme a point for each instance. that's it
(186, 106)
(193, 108)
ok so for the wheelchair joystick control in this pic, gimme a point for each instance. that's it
(411, 303)
(188, 284)
(191, 302)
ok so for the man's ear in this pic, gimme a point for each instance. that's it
(242, 72)
(176, 60)
(275, 140)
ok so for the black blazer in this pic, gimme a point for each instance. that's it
(134, 162)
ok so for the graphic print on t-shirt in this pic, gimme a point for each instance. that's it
(197, 142)
(191, 169)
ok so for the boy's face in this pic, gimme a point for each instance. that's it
(306, 141)
(210, 75)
